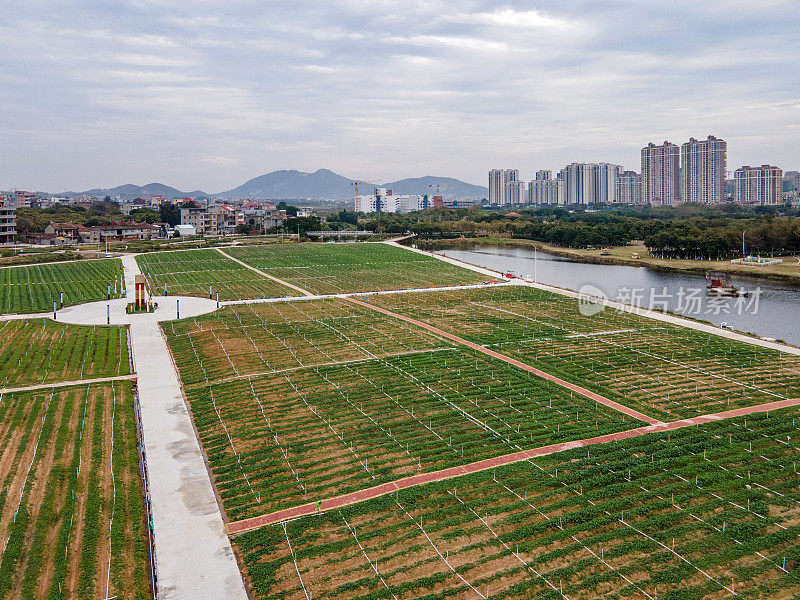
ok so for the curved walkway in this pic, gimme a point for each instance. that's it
(512, 361)
(237, 527)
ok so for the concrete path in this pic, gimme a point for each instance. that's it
(327, 504)
(194, 559)
(193, 555)
(267, 275)
(59, 384)
(512, 361)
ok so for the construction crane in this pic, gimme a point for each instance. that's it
(438, 185)
(356, 184)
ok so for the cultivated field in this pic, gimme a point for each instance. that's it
(305, 434)
(40, 351)
(34, 288)
(665, 371)
(362, 267)
(71, 509)
(710, 512)
(191, 272)
(269, 338)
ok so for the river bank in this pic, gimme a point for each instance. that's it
(788, 271)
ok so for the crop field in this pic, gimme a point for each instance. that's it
(276, 441)
(666, 371)
(40, 351)
(249, 339)
(706, 512)
(34, 288)
(362, 267)
(71, 510)
(191, 272)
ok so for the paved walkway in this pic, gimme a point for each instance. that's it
(512, 361)
(267, 275)
(327, 504)
(193, 555)
(59, 384)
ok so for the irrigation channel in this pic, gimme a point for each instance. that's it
(777, 307)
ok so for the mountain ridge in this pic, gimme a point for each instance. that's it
(291, 184)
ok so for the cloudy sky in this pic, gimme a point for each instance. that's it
(208, 93)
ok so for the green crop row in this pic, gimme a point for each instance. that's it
(194, 272)
(41, 351)
(316, 432)
(359, 267)
(72, 493)
(262, 338)
(35, 288)
(711, 511)
(663, 370)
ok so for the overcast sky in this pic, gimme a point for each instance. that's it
(206, 94)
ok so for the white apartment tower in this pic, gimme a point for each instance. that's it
(703, 170)
(661, 182)
(758, 185)
(629, 188)
(544, 190)
(589, 183)
(504, 187)
(497, 186)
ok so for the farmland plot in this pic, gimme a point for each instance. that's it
(34, 288)
(71, 509)
(266, 338)
(305, 434)
(362, 267)
(666, 371)
(191, 272)
(41, 351)
(710, 512)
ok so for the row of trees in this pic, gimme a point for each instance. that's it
(687, 231)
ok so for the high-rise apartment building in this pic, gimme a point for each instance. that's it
(504, 187)
(589, 183)
(629, 188)
(757, 185)
(793, 177)
(8, 224)
(497, 186)
(515, 192)
(544, 190)
(661, 183)
(703, 170)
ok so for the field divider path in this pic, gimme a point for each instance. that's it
(514, 362)
(60, 384)
(268, 276)
(327, 504)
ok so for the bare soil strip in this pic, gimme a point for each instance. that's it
(237, 527)
(47, 386)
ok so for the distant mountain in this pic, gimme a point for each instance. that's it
(327, 184)
(132, 191)
(297, 185)
(448, 187)
(294, 184)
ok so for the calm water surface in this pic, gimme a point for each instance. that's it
(772, 310)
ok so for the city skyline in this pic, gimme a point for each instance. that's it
(205, 96)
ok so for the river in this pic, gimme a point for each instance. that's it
(772, 310)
